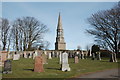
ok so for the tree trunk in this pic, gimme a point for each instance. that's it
(114, 55)
(4, 45)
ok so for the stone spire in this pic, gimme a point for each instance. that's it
(60, 43)
(59, 22)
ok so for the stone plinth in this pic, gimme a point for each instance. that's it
(38, 66)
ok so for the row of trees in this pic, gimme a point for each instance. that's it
(106, 29)
(23, 34)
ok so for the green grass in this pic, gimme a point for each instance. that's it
(23, 68)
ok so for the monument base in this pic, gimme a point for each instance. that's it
(65, 67)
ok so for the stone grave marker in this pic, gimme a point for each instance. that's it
(9, 56)
(93, 56)
(76, 59)
(98, 56)
(57, 54)
(44, 58)
(53, 54)
(60, 58)
(49, 56)
(82, 55)
(38, 66)
(25, 54)
(65, 65)
(3, 57)
(16, 56)
(7, 67)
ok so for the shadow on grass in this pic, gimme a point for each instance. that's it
(29, 69)
(53, 68)
(104, 61)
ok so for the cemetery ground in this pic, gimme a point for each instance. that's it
(23, 68)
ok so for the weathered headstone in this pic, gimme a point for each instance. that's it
(38, 66)
(53, 54)
(49, 56)
(60, 58)
(93, 56)
(3, 57)
(9, 56)
(82, 55)
(90, 52)
(7, 67)
(44, 57)
(65, 65)
(45, 52)
(57, 54)
(25, 54)
(98, 56)
(35, 54)
(76, 59)
(16, 56)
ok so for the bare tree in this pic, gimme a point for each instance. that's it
(28, 31)
(106, 28)
(46, 45)
(4, 32)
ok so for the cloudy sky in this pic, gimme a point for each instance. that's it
(74, 18)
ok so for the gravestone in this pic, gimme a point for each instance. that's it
(38, 66)
(82, 55)
(76, 59)
(44, 58)
(16, 56)
(3, 57)
(45, 52)
(9, 56)
(57, 54)
(25, 54)
(98, 56)
(90, 52)
(93, 56)
(60, 58)
(49, 56)
(65, 65)
(53, 54)
(35, 54)
(30, 55)
(7, 67)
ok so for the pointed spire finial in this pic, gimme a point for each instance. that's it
(59, 22)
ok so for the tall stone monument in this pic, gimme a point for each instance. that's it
(60, 43)
(65, 65)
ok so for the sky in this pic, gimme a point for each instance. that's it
(74, 18)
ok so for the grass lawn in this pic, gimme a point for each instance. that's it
(23, 68)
